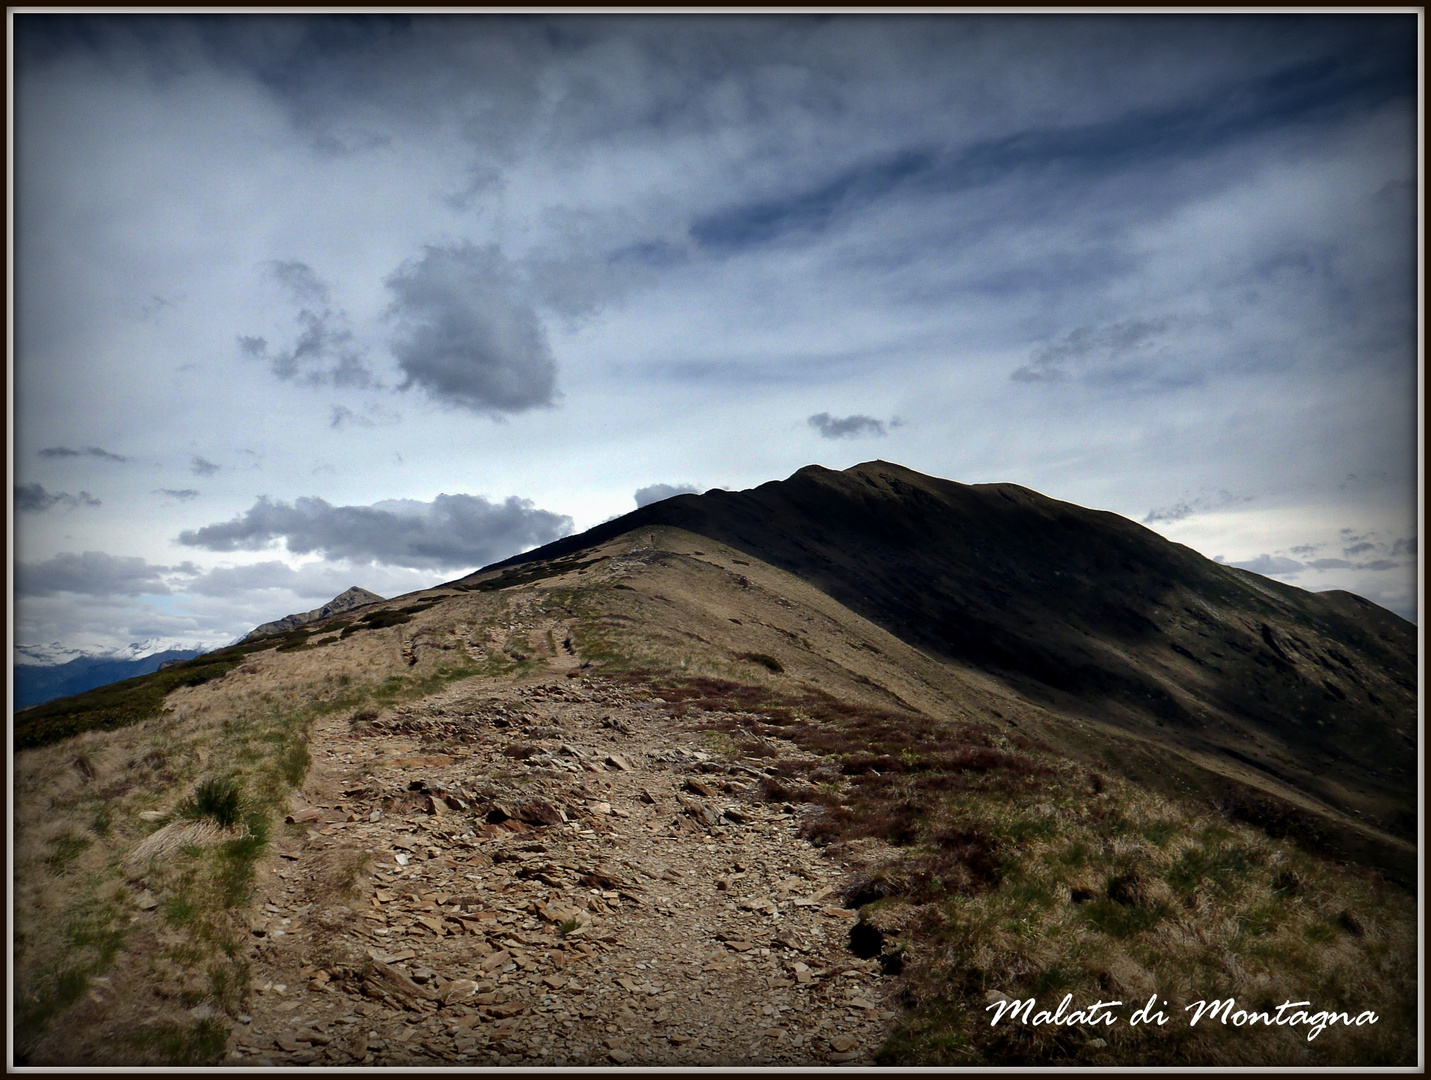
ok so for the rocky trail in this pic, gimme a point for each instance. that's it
(548, 872)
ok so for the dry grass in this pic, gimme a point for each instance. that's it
(86, 843)
(1010, 869)
(178, 835)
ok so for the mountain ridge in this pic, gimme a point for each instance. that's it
(1091, 613)
(347, 600)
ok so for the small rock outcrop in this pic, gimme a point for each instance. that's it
(344, 601)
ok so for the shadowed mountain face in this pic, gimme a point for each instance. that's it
(1094, 616)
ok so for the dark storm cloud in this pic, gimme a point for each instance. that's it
(1296, 89)
(656, 492)
(325, 352)
(301, 281)
(203, 467)
(32, 498)
(88, 451)
(845, 427)
(452, 531)
(466, 334)
(95, 573)
(182, 494)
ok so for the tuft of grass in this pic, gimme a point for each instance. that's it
(218, 799)
(346, 875)
(294, 762)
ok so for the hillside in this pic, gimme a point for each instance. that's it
(1310, 697)
(649, 799)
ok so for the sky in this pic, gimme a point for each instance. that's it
(307, 302)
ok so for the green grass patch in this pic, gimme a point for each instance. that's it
(173, 1044)
(64, 849)
(93, 935)
(528, 573)
(219, 800)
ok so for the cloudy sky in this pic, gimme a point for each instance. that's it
(310, 302)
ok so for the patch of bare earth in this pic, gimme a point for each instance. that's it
(542, 874)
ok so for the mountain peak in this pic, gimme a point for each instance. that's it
(347, 600)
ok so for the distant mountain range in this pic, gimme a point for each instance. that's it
(38, 683)
(59, 672)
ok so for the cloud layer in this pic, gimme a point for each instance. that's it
(1133, 262)
(451, 532)
(93, 573)
(88, 451)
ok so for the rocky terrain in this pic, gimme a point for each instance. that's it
(348, 600)
(579, 884)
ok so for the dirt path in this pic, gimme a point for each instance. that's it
(548, 873)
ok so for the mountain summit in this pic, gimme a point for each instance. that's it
(344, 601)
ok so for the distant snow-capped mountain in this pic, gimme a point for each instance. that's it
(46, 672)
(57, 653)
